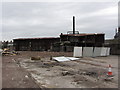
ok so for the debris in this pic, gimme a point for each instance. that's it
(36, 58)
(91, 73)
(62, 58)
(79, 79)
(109, 78)
(15, 53)
(26, 76)
(48, 64)
(64, 73)
(48, 70)
(7, 52)
(73, 58)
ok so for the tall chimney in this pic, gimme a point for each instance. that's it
(73, 24)
(116, 30)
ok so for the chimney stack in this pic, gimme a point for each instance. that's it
(116, 30)
(73, 24)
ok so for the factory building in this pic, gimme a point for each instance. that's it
(68, 41)
(65, 42)
(85, 40)
(34, 44)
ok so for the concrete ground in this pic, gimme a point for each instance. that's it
(21, 72)
(14, 76)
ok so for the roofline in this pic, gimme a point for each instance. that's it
(37, 38)
(83, 34)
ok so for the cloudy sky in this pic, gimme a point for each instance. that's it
(49, 19)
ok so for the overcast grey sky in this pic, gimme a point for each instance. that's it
(42, 19)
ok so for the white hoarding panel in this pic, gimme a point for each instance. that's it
(97, 51)
(87, 51)
(108, 51)
(103, 51)
(77, 52)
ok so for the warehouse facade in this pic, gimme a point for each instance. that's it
(34, 44)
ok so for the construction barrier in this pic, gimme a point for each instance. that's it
(104, 51)
(108, 52)
(91, 51)
(77, 52)
(97, 51)
(87, 51)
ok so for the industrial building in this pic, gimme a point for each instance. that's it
(34, 44)
(85, 40)
(68, 41)
(65, 42)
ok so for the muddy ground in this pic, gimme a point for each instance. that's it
(19, 71)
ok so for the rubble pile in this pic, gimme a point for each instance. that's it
(7, 52)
